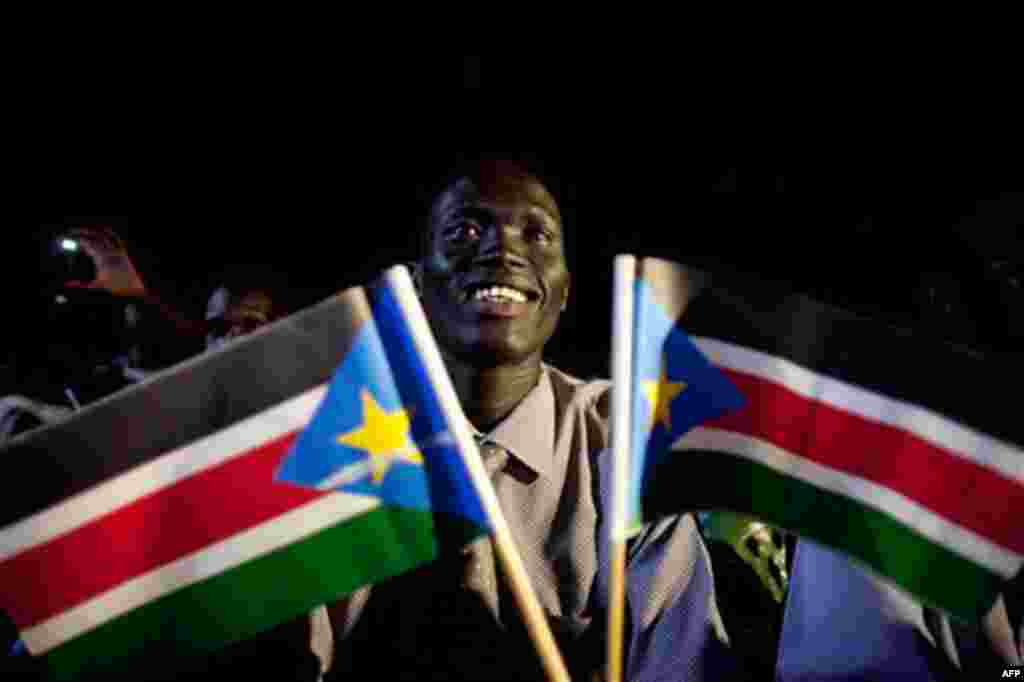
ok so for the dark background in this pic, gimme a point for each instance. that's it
(935, 245)
(846, 191)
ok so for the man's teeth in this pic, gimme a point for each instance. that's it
(500, 294)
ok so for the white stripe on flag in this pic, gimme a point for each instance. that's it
(281, 531)
(960, 441)
(160, 473)
(927, 523)
(346, 475)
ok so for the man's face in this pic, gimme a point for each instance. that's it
(242, 316)
(494, 272)
(250, 312)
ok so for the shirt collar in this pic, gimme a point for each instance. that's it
(528, 432)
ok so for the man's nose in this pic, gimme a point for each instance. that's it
(503, 245)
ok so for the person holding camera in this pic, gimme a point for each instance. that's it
(97, 327)
(100, 328)
(237, 311)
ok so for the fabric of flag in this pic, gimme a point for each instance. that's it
(382, 430)
(151, 525)
(675, 387)
(902, 452)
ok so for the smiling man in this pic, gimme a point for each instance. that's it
(494, 281)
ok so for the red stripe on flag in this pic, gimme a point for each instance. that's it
(966, 493)
(148, 533)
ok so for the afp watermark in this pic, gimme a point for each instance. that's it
(1014, 672)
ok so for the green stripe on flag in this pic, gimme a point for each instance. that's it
(695, 480)
(203, 617)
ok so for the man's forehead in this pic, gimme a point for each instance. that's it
(499, 189)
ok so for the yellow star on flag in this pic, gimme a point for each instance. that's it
(383, 435)
(660, 395)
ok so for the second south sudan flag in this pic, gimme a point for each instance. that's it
(902, 452)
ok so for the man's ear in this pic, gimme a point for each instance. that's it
(565, 295)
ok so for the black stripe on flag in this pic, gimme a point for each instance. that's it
(182, 404)
(964, 385)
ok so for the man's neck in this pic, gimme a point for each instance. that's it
(488, 395)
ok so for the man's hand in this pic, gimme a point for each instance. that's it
(115, 271)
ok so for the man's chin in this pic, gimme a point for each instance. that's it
(491, 353)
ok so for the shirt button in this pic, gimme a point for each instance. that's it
(494, 458)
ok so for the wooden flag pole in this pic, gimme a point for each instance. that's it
(622, 371)
(616, 611)
(529, 606)
(533, 615)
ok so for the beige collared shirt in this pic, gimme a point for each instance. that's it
(549, 469)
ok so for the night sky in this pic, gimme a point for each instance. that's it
(934, 243)
(849, 196)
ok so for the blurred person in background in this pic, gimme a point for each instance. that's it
(751, 561)
(234, 313)
(88, 331)
(97, 328)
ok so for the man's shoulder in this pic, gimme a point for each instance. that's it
(592, 395)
